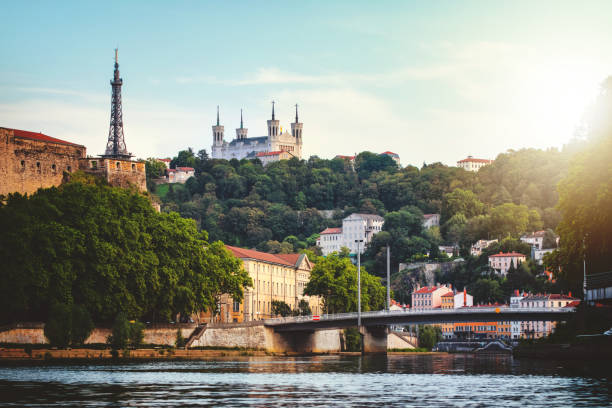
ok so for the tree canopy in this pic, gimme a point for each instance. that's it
(105, 248)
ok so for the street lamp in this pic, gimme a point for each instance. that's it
(358, 283)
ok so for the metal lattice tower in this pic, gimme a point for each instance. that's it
(115, 147)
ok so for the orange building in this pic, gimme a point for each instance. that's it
(448, 302)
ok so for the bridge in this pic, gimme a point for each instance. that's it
(296, 330)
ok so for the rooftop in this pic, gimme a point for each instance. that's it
(429, 289)
(282, 259)
(276, 153)
(40, 136)
(185, 169)
(331, 231)
(507, 254)
(471, 159)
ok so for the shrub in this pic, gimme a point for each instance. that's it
(180, 340)
(121, 333)
(58, 329)
(136, 333)
(82, 324)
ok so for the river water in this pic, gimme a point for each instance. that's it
(441, 380)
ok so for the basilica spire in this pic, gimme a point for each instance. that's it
(296, 115)
(241, 124)
(273, 110)
(217, 115)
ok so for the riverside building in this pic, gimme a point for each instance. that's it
(280, 277)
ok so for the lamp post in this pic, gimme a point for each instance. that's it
(358, 283)
(388, 278)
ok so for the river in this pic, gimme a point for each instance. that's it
(439, 380)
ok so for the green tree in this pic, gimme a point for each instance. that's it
(281, 308)
(461, 201)
(82, 324)
(58, 329)
(429, 336)
(120, 337)
(335, 280)
(303, 309)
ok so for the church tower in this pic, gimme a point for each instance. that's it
(296, 132)
(218, 132)
(241, 132)
(273, 126)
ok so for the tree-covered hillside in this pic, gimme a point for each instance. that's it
(277, 207)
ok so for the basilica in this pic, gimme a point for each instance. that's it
(277, 145)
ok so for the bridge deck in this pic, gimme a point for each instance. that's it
(385, 318)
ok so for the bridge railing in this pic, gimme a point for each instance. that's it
(426, 312)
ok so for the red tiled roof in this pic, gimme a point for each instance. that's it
(165, 160)
(573, 303)
(390, 153)
(276, 153)
(260, 256)
(291, 258)
(474, 160)
(501, 254)
(344, 157)
(426, 216)
(331, 231)
(185, 168)
(448, 294)
(40, 136)
(171, 170)
(429, 289)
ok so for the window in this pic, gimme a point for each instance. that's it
(23, 164)
(53, 167)
(69, 168)
(133, 167)
(38, 165)
(236, 307)
(94, 164)
(118, 165)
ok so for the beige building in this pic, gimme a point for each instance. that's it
(180, 174)
(501, 262)
(473, 164)
(355, 227)
(275, 277)
(481, 245)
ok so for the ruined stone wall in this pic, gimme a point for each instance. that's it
(27, 164)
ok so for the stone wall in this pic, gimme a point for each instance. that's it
(400, 341)
(255, 335)
(27, 164)
(118, 172)
(33, 333)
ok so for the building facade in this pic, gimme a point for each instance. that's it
(180, 174)
(428, 297)
(538, 329)
(480, 245)
(281, 277)
(473, 164)
(431, 220)
(248, 147)
(355, 227)
(501, 262)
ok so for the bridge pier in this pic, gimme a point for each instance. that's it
(373, 339)
(305, 341)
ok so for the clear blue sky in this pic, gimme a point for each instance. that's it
(432, 81)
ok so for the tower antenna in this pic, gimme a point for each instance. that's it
(115, 146)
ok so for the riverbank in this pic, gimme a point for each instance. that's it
(22, 354)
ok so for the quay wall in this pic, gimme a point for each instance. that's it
(33, 333)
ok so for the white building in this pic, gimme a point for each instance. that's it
(166, 162)
(463, 299)
(535, 239)
(473, 164)
(269, 157)
(501, 262)
(515, 325)
(431, 220)
(480, 245)
(180, 174)
(248, 147)
(354, 227)
(535, 330)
